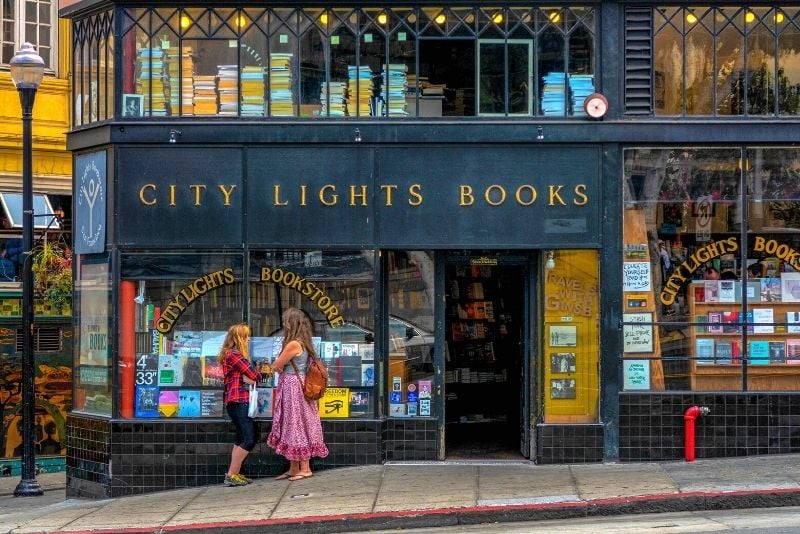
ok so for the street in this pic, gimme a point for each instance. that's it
(753, 520)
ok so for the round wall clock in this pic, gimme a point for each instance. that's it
(595, 105)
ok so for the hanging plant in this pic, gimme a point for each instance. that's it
(52, 274)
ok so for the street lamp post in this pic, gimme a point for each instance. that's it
(27, 69)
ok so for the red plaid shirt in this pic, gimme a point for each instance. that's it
(234, 365)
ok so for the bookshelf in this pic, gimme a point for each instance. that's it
(716, 344)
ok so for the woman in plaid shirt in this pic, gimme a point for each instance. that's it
(237, 367)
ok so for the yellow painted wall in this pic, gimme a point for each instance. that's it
(52, 164)
(572, 304)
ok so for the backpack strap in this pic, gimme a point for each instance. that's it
(297, 373)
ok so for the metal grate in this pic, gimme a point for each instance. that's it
(45, 339)
(638, 61)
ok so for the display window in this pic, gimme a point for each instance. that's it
(723, 61)
(355, 62)
(92, 376)
(410, 380)
(710, 268)
(175, 310)
(336, 289)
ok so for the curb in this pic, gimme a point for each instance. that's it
(441, 517)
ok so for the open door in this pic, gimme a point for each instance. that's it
(486, 376)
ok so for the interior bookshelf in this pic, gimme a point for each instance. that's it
(773, 337)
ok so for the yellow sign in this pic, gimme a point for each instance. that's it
(335, 403)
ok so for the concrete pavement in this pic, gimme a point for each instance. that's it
(414, 495)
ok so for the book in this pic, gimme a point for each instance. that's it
(736, 353)
(793, 320)
(777, 352)
(211, 403)
(425, 389)
(699, 292)
(729, 320)
(424, 407)
(366, 351)
(146, 401)
(168, 402)
(758, 352)
(715, 322)
(264, 405)
(711, 290)
(350, 349)
(724, 352)
(770, 289)
(349, 370)
(170, 370)
(704, 350)
(762, 321)
(360, 403)
(740, 318)
(189, 403)
(367, 374)
(793, 351)
(212, 372)
(727, 291)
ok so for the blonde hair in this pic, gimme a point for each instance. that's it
(236, 338)
(297, 327)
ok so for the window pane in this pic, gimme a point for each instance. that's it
(788, 64)
(92, 380)
(492, 77)
(668, 62)
(183, 308)
(684, 270)
(411, 325)
(337, 293)
(730, 61)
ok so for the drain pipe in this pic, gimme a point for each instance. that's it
(689, 417)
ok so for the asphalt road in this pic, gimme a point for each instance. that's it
(753, 521)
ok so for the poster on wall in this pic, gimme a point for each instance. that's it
(636, 276)
(562, 388)
(335, 403)
(636, 374)
(637, 337)
(90, 203)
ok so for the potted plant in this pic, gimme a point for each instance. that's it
(52, 275)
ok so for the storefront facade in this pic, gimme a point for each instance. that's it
(478, 255)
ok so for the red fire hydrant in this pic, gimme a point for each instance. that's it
(689, 417)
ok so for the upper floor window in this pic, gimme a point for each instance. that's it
(726, 61)
(32, 21)
(357, 62)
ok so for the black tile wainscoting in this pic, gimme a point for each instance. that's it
(128, 457)
(569, 444)
(738, 424)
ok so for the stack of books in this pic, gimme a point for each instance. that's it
(173, 62)
(187, 81)
(334, 99)
(362, 93)
(228, 87)
(395, 87)
(151, 80)
(280, 85)
(580, 86)
(205, 95)
(554, 94)
(253, 91)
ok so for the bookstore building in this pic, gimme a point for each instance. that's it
(508, 252)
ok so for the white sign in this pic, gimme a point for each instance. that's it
(636, 276)
(637, 338)
(636, 374)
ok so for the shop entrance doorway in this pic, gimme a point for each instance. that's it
(485, 378)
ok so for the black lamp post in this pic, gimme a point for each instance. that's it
(27, 69)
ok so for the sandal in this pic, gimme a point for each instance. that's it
(283, 476)
(300, 476)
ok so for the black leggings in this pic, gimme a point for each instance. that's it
(245, 427)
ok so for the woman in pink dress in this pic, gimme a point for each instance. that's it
(296, 429)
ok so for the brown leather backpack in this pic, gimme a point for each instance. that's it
(316, 381)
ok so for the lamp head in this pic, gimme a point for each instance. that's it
(550, 262)
(27, 68)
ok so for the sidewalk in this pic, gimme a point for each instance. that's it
(416, 495)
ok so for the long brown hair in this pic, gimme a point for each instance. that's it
(297, 326)
(236, 338)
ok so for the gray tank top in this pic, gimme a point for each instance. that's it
(301, 361)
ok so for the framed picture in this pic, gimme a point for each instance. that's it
(563, 336)
(562, 362)
(790, 287)
(132, 105)
(562, 388)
